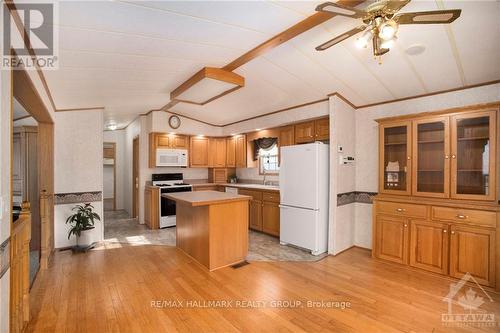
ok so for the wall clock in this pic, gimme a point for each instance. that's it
(174, 122)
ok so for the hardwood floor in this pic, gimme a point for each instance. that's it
(112, 290)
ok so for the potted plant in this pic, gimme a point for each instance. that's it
(81, 222)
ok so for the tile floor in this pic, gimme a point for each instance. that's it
(119, 228)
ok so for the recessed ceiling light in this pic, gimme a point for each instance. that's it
(111, 125)
(257, 129)
(415, 49)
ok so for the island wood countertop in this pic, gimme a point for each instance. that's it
(205, 198)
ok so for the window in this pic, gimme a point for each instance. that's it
(268, 160)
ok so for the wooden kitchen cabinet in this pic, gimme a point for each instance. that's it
(220, 175)
(217, 154)
(231, 152)
(322, 129)
(255, 218)
(472, 250)
(152, 207)
(304, 132)
(429, 246)
(199, 152)
(286, 136)
(391, 238)
(271, 218)
(165, 141)
(241, 151)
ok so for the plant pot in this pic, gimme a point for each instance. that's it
(85, 239)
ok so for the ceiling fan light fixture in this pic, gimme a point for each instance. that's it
(362, 42)
(388, 29)
(388, 44)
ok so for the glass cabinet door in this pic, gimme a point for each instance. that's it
(395, 158)
(431, 157)
(473, 158)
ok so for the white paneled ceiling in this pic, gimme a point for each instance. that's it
(128, 56)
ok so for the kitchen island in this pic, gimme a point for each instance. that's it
(212, 227)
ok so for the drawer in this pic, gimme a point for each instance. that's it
(205, 188)
(401, 209)
(257, 195)
(271, 196)
(468, 216)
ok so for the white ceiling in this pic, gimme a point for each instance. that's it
(127, 56)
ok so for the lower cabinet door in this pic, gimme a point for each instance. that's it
(472, 250)
(391, 238)
(429, 246)
(271, 218)
(255, 218)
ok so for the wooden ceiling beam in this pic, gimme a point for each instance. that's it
(295, 30)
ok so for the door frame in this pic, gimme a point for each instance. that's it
(135, 177)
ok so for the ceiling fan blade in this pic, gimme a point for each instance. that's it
(334, 8)
(340, 38)
(395, 5)
(433, 17)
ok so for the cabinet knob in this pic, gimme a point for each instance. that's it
(453, 156)
(453, 232)
(446, 156)
(445, 231)
(409, 158)
(400, 210)
(461, 216)
(406, 225)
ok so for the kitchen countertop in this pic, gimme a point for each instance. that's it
(205, 198)
(237, 185)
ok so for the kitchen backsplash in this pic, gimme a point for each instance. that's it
(252, 174)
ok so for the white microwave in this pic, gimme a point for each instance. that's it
(171, 157)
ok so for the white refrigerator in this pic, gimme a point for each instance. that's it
(304, 184)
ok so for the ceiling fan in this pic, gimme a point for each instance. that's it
(381, 22)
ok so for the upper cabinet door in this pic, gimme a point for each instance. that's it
(395, 158)
(431, 157)
(304, 132)
(199, 152)
(231, 152)
(179, 141)
(473, 155)
(322, 129)
(241, 151)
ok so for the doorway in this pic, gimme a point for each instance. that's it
(135, 178)
(109, 176)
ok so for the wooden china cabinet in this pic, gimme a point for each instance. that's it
(437, 207)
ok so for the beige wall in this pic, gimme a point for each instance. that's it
(78, 137)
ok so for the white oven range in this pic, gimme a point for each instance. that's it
(169, 183)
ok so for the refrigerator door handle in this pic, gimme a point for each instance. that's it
(290, 207)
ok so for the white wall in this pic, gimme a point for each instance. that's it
(367, 140)
(118, 137)
(282, 118)
(78, 137)
(342, 177)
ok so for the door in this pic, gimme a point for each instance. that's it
(304, 132)
(395, 158)
(179, 142)
(480, 262)
(298, 227)
(322, 129)
(217, 152)
(255, 215)
(199, 152)
(391, 239)
(429, 246)
(473, 159)
(286, 136)
(135, 178)
(299, 176)
(231, 152)
(271, 218)
(431, 156)
(162, 140)
(241, 151)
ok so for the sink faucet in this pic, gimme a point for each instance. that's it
(264, 182)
